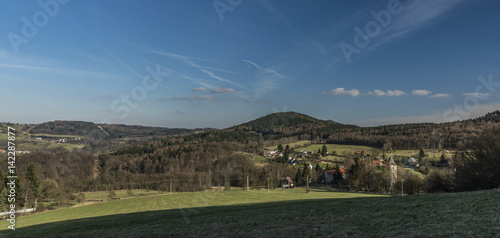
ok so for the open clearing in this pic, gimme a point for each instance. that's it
(341, 149)
(291, 213)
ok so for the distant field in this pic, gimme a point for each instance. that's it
(58, 136)
(431, 153)
(295, 144)
(120, 194)
(340, 149)
(277, 213)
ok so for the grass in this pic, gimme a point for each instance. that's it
(342, 149)
(349, 150)
(120, 194)
(295, 144)
(277, 213)
(57, 136)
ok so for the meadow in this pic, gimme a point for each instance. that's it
(276, 213)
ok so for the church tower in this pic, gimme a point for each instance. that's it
(393, 169)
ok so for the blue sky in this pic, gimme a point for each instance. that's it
(220, 63)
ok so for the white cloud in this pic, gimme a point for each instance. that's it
(389, 93)
(421, 92)
(222, 90)
(199, 89)
(395, 93)
(379, 92)
(202, 98)
(478, 95)
(440, 95)
(342, 91)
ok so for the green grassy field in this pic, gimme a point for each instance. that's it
(295, 144)
(278, 213)
(120, 194)
(340, 149)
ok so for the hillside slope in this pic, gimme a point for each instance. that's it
(291, 213)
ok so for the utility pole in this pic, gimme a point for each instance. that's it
(307, 183)
(209, 178)
(402, 182)
(170, 185)
(248, 184)
(267, 183)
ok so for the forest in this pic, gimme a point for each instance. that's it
(197, 161)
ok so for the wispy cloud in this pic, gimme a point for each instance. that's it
(204, 69)
(199, 89)
(201, 98)
(222, 90)
(440, 95)
(477, 95)
(265, 80)
(342, 91)
(267, 70)
(421, 92)
(415, 16)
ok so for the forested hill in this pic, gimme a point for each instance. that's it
(81, 128)
(287, 127)
(286, 122)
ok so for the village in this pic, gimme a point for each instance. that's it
(331, 169)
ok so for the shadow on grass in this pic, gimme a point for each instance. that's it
(440, 215)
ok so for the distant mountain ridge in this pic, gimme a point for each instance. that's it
(82, 128)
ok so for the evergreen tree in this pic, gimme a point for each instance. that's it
(324, 150)
(421, 154)
(338, 174)
(280, 148)
(298, 177)
(317, 168)
(3, 200)
(32, 178)
(443, 160)
(306, 171)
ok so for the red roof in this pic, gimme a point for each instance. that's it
(335, 170)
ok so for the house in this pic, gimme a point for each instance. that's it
(288, 183)
(310, 166)
(270, 152)
(412, 160)
(377, 162)
(293, 162)
(358, 153)
(330, 175)
(2, 151)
